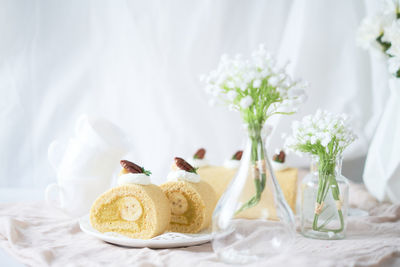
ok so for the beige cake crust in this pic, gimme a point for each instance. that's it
(287, 179)
(201, 200)
(218, 177)
(148, 215)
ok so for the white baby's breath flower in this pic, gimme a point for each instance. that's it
(273, 81)
(231, 95)
(257, 83)
(322, 133)
(264, 73)
(246, 82)
(246, 102)
(313, 140)
(230, 84)
(243, 86)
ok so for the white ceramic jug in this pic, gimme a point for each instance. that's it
(85, 164)
(382, 167)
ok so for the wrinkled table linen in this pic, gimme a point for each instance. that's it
(39, 235)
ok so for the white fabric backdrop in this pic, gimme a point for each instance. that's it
(137, 63)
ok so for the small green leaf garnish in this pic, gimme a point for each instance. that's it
(147, 172)
(194, 170)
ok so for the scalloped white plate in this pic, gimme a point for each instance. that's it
(166, 240)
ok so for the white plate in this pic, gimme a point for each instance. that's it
(166, 240)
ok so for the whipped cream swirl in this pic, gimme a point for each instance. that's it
(277, 166)
(232, 163)
(134, 178)
(181, 175)
(197, 162)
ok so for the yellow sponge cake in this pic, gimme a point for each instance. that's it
(192, 200)
(136, 208)
(219, 177)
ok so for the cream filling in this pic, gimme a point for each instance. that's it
(134, 178)
(232, 164)
(197, 162)
(277, 166)
(181, 175)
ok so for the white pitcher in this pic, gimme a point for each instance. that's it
(85, 164)
(382, 167)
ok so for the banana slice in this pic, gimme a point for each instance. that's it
(123, 171)
(180, 219)
(130, 209)
(179, 204)
(174, 167)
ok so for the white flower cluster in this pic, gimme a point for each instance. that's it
(381, 34)
(256, 84)
(392, 36)
(323, 132)
(370, 30)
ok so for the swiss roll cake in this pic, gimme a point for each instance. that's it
(192, 200)
(135, 208)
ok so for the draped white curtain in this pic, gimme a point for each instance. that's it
(137, 64)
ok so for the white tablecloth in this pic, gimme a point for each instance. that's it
(38, 235)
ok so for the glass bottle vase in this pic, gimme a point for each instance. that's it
(252, 220)
(324, 200)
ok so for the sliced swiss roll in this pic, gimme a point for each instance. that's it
(135, 208)
(219, 177)
(192, 200)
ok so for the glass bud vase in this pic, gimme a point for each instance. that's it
(324, 200)
(252, 220)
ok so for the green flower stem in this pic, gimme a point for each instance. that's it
(327, 180)
(257, 156)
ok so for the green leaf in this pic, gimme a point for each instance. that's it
(385, 45)
(194, 170)
(147, 172)
(260, 185)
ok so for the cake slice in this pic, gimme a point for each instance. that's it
(266, 208)
(135, 208)
(219, 177)
(192, 200)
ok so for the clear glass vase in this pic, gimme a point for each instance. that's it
(252, 220)
(324, 198)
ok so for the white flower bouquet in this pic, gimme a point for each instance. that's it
(381, 34)
(258, 89)
(325, 136)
